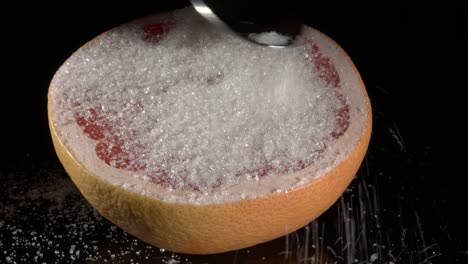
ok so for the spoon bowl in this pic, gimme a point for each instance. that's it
(265, 23)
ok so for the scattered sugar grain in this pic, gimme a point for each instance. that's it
(57, 225)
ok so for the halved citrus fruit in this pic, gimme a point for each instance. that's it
(201, 143)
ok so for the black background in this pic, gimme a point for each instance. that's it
(412, 58)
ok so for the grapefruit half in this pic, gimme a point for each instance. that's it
(160, 201)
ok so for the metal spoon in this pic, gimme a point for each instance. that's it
(268, 23)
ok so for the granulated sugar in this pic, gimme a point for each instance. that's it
(270, 38)
(192, 108)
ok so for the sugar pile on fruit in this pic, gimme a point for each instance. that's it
(180, 105)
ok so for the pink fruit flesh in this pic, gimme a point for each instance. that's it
(154, 32)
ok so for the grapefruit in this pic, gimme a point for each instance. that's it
(201, 143)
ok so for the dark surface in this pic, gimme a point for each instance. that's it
(411, 59)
